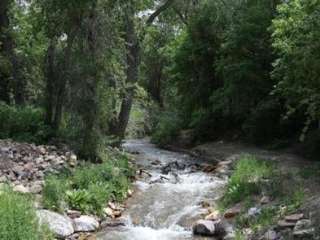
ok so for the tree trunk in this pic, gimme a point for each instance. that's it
(62, 81)
(5, 50)
(133, 52)
(90, 102)
(50, 81)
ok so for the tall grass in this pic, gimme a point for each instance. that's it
(18, 220)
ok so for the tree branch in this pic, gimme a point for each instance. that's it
(157, 12)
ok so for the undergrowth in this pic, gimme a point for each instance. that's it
(89, 187)
(18, 220)
(251, 179)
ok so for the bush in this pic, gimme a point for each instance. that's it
(23, 124)
(18, 219)
(90, 186)
(247, 179)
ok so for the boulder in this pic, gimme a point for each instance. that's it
(60, 225)
(204, 228)
(85, 224)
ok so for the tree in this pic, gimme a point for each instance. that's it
(6, 47)
(296, 40)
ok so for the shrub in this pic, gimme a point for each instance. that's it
(23, 124)
(18, 219)
(247, 179)
(90, 186)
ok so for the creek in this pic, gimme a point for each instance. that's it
(169, 196)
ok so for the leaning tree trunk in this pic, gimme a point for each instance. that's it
(133, 61)
(133, 51)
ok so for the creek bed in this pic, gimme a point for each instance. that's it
(167, 199)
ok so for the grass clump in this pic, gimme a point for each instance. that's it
(248, 179)
(89, 187)
(18, 220)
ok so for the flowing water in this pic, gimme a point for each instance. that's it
(167, 200)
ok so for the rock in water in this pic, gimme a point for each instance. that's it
(60, 225)
(85, 224)
(204, 228)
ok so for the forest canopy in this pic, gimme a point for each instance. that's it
(92, 72)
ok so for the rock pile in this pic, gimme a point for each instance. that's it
(25, 165)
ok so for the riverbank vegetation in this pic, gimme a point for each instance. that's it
(18, 218)
(262, 194)
(89, 187)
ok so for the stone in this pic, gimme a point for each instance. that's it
(130, 192)
(303, 229)
(85, 224)
(3, 179)
(36, 188)
(270, 235)
(285, 224)
(265, 200)
(204, 228)
(108, 211)
(232, 212)
(21, 189)
(252, 212)
(215, 215)
(73, 160)
(73, 213)
(294, 217)
(113, 222)
(60, 225)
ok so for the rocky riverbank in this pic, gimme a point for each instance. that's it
(289, 219)
(24, 168)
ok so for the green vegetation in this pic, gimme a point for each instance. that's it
(18, 218)
(89, 187)
(225, 69)
(252, 179)
(23, 124)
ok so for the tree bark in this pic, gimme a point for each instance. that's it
(61, 81)
(50, 80)
(133, 52)
(5, 50)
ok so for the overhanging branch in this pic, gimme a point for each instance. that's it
(157, 12)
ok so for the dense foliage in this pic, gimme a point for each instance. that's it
(245, 69)
(222, 68)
